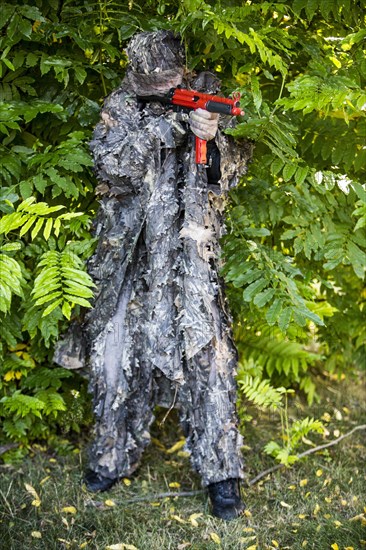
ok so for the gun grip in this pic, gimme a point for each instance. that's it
(201, 151)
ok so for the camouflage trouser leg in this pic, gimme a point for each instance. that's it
(123, 398)
(122, 431)
(207, 405)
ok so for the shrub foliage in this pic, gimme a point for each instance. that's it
(295, 246)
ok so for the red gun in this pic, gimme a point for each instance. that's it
(190, 99)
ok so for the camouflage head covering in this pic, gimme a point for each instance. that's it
(156, 63)
(158, 51)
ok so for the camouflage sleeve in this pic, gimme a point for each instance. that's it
(120, 155)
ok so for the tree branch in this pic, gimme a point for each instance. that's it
(305, 453)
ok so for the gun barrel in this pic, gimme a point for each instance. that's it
(224, 108)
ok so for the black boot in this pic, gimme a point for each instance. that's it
(225, 499)
(96, 482)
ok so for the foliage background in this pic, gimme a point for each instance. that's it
(295, 249)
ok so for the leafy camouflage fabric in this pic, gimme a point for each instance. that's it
(159, 331)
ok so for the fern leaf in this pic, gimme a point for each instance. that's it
(37, 228)
(48, 228)
(77, 300)
(48, 297)
(52, 306)
(261, 392)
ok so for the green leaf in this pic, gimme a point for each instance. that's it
(48, 297)
(48, 228)
(300, 174)
(254, 288)
(30, 221)
(77, 300)
(288, 171)
(37, 228)
(264, 297)
(274, 311)
(26, 189)
(52, 306)
(66, 310)
(284, 318)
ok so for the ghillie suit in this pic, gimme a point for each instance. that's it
(159, 330)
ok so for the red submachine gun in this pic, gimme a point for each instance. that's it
(192, 100)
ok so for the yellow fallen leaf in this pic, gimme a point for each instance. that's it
(248, 513)
(193, 519)
(109, 502)
(302, 516)
(44, 480)
(316, 509)
(36, 534)
(174, 485)
(177, 518)
(52, 460)
(285, 505)
(194, 522)
(328, 500)
(31, 490)
(338, 415)
(359, 517)
(121, 546)
(336, 433)
(126, 481)
(334, 546)
(253, 547)
(327, 516)
(156, 504)
(69, 510)
(184, 454)
(349, 548)
(65, 522)
(158, 444)
(337, 523)
(248, 530)
(304, 543)
(275, 543)
(319, 473)
(292, 487)
(215, 538)
(83, 544)
(176, 447)
(303, 482)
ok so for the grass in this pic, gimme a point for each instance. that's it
(317, 504)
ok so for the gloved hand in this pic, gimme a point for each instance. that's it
(204, 124)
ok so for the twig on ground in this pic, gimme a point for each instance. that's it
(149, 498)
(305, 453)
(158, 496)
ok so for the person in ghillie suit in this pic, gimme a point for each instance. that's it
(159, 332)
